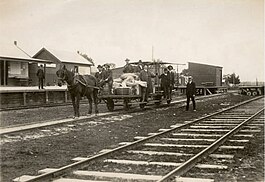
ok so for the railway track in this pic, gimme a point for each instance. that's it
(183, 152)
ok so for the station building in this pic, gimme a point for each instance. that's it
(15, 66)
(72, 61)
(19, 69)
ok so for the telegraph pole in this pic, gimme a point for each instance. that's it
(152, 53)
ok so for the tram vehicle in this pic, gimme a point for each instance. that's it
(131, 95)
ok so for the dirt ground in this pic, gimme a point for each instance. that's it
(55, 146)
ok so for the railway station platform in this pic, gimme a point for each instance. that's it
(17, 97)
(32, 96)
(30, 88)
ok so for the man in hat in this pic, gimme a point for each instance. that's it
(171, 80)
(140, 66)
(146, 75)
(165, 83)
(190, 93)
(41, 76)
(100, 76)
(108, 79)
(128, 68)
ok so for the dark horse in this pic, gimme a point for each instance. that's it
(79, 86)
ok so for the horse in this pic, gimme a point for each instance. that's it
(79, 86)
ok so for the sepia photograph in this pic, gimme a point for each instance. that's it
(132, 90)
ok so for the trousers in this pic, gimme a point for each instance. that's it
(188, 102)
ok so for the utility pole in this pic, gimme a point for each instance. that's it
(152, 53)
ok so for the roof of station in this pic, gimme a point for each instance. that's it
(14, 53)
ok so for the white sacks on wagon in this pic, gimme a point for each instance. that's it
(128, 84)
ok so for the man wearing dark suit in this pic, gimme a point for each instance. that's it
(140, 66)
(108, 77)
(41, 76)
(190, 92)
(100, 76)
(146, 75)
(165, 83)
(171, 80)
(128, 68)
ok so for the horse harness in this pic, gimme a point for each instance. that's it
(82, 80)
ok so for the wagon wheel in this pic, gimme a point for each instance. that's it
(126, 104)
(249, 93)
(254, 93)
(110, 104)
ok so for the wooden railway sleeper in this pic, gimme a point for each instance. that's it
(89, 161)
(192, 161)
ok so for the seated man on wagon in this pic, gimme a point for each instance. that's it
(128, 68)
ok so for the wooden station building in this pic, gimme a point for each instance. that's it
(15, 66)
(72, 61)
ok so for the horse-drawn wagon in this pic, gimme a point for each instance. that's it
(127, 101)
(131, 94)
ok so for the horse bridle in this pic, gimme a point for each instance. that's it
(62, 79)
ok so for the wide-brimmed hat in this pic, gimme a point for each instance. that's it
(99, 66)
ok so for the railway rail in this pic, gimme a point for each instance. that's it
(182, 152)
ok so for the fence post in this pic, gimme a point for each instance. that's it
(46, 97)
(24, 98)
(65, 96)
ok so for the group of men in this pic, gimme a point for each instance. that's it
(167, 82)
(104, 77)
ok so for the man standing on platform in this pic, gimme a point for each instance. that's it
(41, 76)
(190, 92)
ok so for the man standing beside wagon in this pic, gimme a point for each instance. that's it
(146, 76)
(171, 80)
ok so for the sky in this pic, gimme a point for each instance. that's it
(227, 33)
